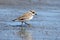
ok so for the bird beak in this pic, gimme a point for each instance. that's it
(35, 14)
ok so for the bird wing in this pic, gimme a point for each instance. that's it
(23, 17)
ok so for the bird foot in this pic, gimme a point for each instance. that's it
(29, 25)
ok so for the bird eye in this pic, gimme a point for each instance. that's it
(33, 12)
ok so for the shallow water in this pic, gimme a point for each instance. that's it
(44, 26)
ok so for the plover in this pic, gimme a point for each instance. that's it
(26, 16)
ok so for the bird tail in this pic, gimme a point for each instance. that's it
(14, 20)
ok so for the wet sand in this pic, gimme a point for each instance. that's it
(44, 26)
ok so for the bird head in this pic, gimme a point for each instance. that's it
(33, 12)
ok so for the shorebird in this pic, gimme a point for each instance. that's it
(26, 17)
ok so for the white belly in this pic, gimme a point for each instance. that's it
(30, 18)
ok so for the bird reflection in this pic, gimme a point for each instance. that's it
(24, 34)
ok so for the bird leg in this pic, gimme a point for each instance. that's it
(22, 23)
(26, 23)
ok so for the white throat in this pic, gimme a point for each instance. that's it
(30, 17)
